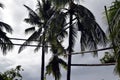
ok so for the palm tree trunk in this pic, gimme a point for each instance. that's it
(70, 48)
(43, 58)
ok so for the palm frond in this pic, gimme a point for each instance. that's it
(1, 5)
(6, 27)
(53, 67)
(117, 66)
(91, 33)
(33, 17)
(4, 39)
(92, 29)
(62, 63)
(29, 30)
(34, 36)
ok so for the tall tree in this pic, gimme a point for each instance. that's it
(49, 22)
(108, 58)
(91, 33)
(5, 42)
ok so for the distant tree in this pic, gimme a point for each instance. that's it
(108, 58)
(12, 74)
(5, 42)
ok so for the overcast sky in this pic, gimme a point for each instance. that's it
(14, 14)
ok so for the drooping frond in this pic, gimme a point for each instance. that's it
(34, 36)
(4, 39)
(6, 27)
(63, 63)
(5, 43)
(91, 33)
(53, 67)
(117, 66)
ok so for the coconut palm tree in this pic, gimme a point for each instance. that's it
(49, 22)
(5, 43)
(91, 33)
(113, 17)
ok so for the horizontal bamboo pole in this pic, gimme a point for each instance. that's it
(105, 64)
(74, 53)
(23, 45)
(21, 39)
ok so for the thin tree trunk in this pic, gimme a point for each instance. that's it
(42, 64)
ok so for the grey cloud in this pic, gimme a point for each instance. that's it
(29, 62)
(5, 64)
(94, 73)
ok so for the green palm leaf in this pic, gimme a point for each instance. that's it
(53, 67)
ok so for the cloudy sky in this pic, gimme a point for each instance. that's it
(14, 14)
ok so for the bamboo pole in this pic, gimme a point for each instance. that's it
(23, 45)
(105, 64)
